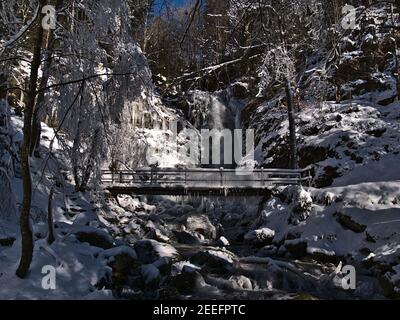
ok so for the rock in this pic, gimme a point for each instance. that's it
(347, 222)
(327, 198)
(267, 251)
(322, 255)
(309, 155)
(329, 175)
(181, 266)
(187, 282)
(200, 224)
(157, 235)
(239, 90)
(218, 260)
(185, 237)
(222, 242)
(148, 251)
(241, 283)
(7, 242)
(95, 237)
(151, 275)
(128, 203)
(300, 203)
(262, 236)
(114, 253)
(379, 132)
(297, 248)
(163, 264)
(123, 262)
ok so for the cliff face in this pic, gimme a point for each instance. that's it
(354, 124)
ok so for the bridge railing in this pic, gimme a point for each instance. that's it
(202, 177)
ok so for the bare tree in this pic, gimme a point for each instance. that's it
(26, 231)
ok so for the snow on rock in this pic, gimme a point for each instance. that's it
(95, 237)
(200, 224)
(348, 142)
(132, 204)
(262, 236)
(148, 251)
(218, 260)
(110, 254)
(300, 203)
(223, 242)
(178, 267)
(241, 283)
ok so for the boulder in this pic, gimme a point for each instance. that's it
(95, 237)
(185, 237)
(262, 236)
(149, 251)
(300, 202)
(241, 283)
(267, 251)
(122, 261)
(151, 275)
(322, 255)
(222, 242)
(201, 224)
(187, 282)
(347, 222)
(297, 248)
(163, 264)
(7, 241)
(220, 261)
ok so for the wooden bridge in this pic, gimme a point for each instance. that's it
(200, 181)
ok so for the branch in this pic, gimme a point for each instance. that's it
(20, 34)
(60, 84)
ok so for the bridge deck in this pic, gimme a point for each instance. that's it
(228, 182)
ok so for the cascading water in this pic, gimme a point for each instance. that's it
(216, 111)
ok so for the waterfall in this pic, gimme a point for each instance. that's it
(216, 111)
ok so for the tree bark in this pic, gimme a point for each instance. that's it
(292, 126)
(36, 121)
(26, 231)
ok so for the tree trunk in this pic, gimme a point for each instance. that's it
(26, 232)
(36, 121)
(50, 238)
(292, 126)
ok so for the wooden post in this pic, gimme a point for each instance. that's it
(121, 177)
(221, 170)
(151, 176)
